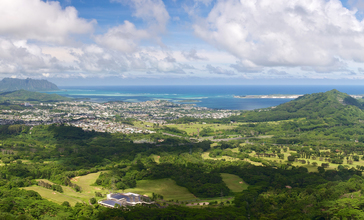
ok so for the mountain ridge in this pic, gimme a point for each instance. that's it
(10, 84)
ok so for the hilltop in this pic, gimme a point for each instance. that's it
(9, 84)
(331, 104)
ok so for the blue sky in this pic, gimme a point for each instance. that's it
(121, 42)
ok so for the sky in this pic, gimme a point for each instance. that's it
(147, 42)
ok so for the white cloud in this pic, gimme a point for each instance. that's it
(123, 38)
(276, 72)
(126, 37)
(21, 57)
(153, 12)
(38, 20)
(291, 33)
(219, 70)
(246, 66)
(46, 75)
(192, 55)
(359, 4)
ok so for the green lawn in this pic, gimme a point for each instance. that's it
(235, 183)
(54, 196)
(310, 167)
(70, 194)
(192, 128)
(165, 187)
(86, 181)
(156, 158)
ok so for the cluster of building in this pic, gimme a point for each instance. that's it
(101, 116)
(124, 199)
(107, 126)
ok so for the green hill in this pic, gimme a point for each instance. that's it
(331, 104)
(22, 95)
(9, 84)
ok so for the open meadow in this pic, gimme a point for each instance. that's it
(234, 182)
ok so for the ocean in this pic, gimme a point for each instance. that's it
(215, 97)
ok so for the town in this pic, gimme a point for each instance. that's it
(108, 117)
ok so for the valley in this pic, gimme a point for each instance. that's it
(313, 145)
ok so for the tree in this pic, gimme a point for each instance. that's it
(66, 203)
(92, 200)
(321, 169)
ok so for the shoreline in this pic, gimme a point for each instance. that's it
(268, 96)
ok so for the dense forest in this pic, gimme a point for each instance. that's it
(301, 160)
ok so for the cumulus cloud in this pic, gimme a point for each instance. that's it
(192, 55)
(123, 37)
(246, 66)
(359, 4)
(276, 72)
(219, 70)
(21, 57)
(290, 33)
(153, 12)
(186, 66)
(167, 65)
(39, 20)
(126, 37)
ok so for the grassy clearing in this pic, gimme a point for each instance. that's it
(143, 125)
(234, 182)
(70, 194)
(205, 156)
(166, 187)
(156, 158)
(54, 196)
(310, 167)
(86, 181)
(192, 128)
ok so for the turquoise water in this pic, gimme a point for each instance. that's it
(216, 97)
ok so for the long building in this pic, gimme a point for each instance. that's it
(124, 199)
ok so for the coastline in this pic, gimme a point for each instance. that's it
(268, 96)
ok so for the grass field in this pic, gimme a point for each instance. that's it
(166, 187)
(310, 167)
(192, 128)
(70, 194)
(156, 158)
(235, 183)
(54, 196)
(86, 181)
(205, 156)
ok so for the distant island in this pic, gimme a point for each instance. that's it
(277, 96)
(10, 84)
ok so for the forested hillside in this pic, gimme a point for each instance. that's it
(10, 84)
(331, 104)
(28, 96)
